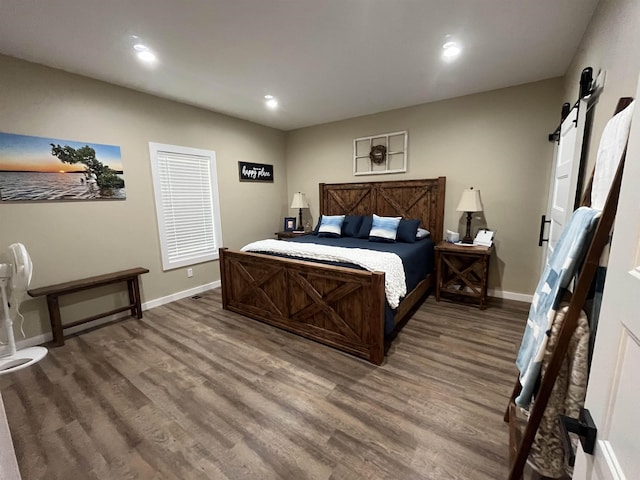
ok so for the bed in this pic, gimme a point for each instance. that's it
(336, 305)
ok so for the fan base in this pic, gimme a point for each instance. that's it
(21, 359)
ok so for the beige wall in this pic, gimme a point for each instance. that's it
(71, 240)
(494, 141)
(611, 44)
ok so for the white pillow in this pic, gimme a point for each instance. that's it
(331, 225)
(422, 233)
(384, 228)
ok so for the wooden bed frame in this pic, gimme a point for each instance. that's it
(337, 306)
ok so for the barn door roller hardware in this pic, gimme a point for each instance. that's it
(586, 89)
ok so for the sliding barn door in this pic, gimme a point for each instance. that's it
(564, 176)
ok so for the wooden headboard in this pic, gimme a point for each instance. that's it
(423, 199)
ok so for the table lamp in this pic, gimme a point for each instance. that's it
(299, 201)
(469, 202)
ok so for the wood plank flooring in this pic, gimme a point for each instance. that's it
(195, 392)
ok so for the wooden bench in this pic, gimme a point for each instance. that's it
(53, 292)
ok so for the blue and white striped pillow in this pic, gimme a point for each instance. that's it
(331, 226)
(384, 229)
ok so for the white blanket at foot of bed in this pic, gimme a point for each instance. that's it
(395, 284)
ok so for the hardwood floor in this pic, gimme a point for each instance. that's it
(195, 392)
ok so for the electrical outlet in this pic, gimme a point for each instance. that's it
(189, 272)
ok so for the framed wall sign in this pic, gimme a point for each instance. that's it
(255, 172)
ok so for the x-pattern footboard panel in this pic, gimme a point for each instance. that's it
(334, 305)
(324, 304)
(255, 286)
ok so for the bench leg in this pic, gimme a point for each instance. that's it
(136, 289)
(56, 322)
(132, 297)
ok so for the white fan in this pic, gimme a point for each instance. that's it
(15, 276)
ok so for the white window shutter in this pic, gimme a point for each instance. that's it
(187, 207)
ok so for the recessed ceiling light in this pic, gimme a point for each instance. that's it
(147, 56)
(272, 103)
(451, 50)
(144, 53)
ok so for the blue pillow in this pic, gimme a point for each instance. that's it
(407, 231)
(351, 225)
(384, 229)
(331, 226)
(365, 226)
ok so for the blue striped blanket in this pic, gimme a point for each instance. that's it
(560, 270)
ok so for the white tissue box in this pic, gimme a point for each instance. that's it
(452, 237)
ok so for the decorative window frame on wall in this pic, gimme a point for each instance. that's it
(395, 160)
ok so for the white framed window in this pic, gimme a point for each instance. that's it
(185, 184)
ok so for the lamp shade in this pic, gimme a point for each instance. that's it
(470, 201)
(299, 201)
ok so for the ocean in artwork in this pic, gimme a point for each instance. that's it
(52, 186)
(39, 168)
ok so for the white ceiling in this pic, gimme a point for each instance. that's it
(324, 60)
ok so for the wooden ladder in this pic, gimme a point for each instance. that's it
(520, 442)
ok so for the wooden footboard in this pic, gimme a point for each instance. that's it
(337, 306)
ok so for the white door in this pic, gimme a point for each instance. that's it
(564, 176)
(613, 394)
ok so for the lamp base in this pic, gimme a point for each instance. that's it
(467, 236)
(299, 227)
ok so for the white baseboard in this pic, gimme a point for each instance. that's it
(520, 297)
(180, 295)
(47, 337)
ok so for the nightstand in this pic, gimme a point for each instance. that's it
(463, 271)
(290, 234)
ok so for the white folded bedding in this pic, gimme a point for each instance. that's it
(394, 280)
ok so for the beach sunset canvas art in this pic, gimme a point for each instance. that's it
(39, 168)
